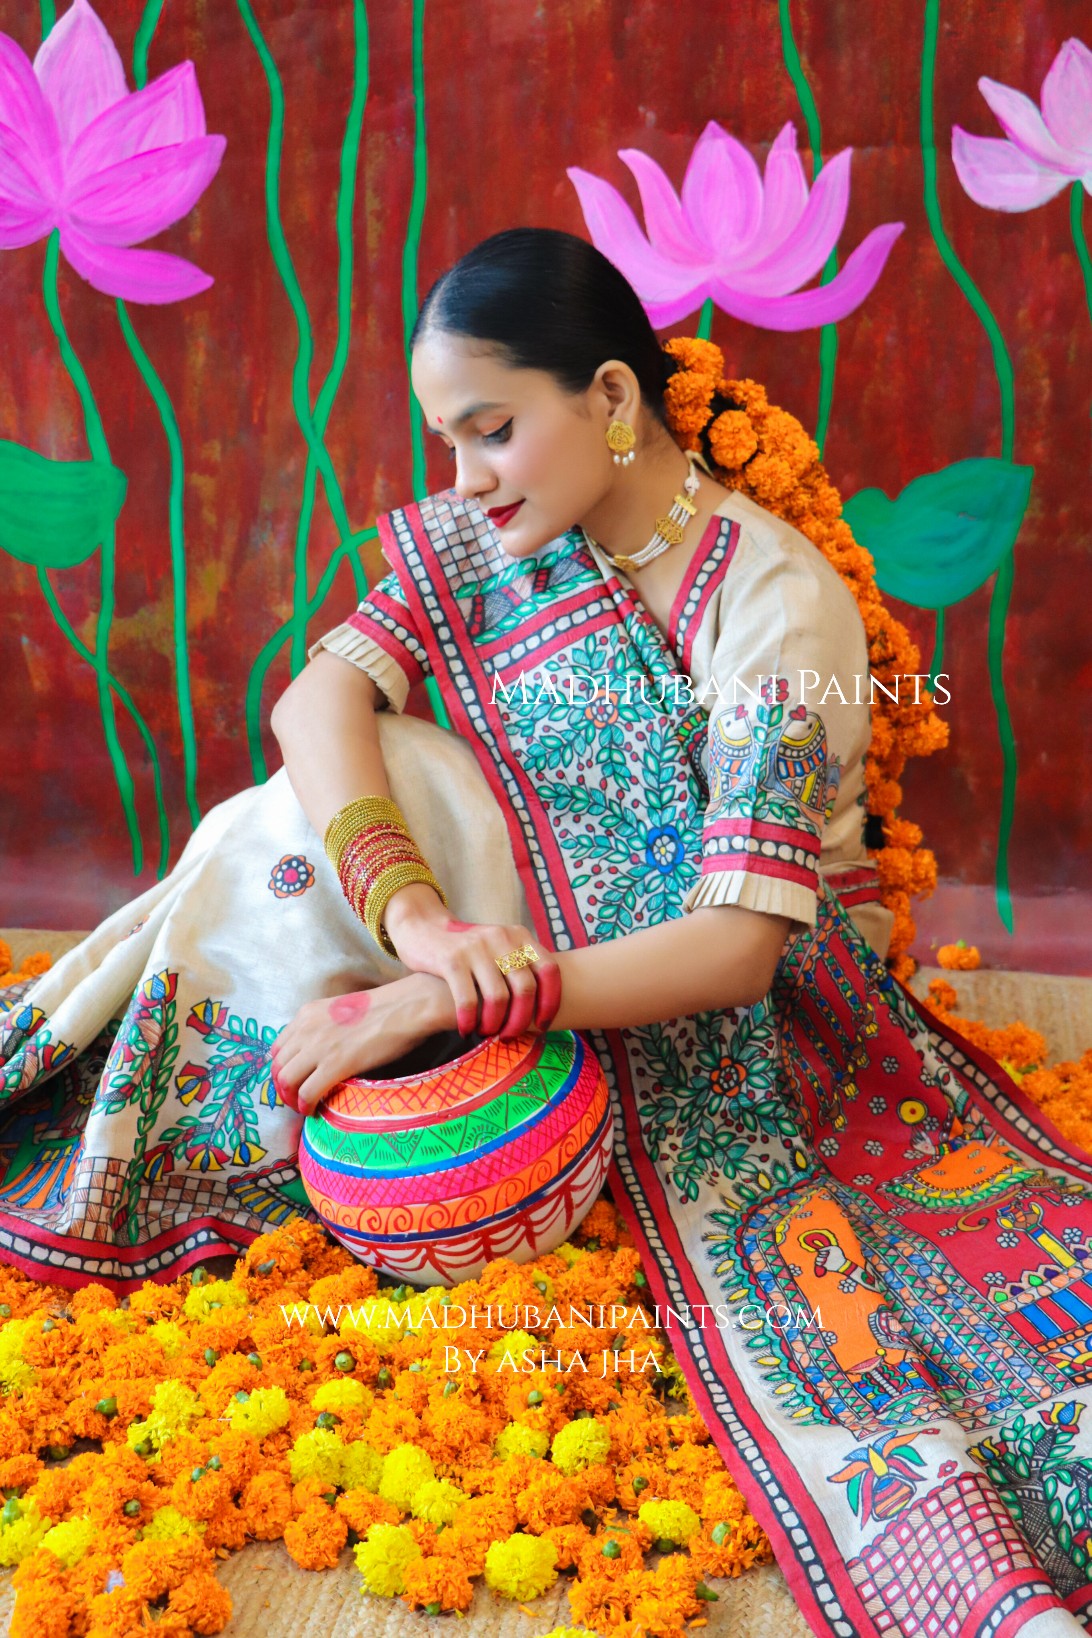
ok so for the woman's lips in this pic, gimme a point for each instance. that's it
(500, 515)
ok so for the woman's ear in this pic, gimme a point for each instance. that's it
(615, 385)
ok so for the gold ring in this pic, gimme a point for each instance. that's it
(525, 956)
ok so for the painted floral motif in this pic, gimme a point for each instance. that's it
(291, 876)
(230, 1089)
(881, 1478)
(744, 239)
(27, 1049)
(109, 168)
(137, 1075)
(1041, 152)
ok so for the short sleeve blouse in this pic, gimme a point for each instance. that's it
(381, 639)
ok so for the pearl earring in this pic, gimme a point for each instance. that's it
(620, 439)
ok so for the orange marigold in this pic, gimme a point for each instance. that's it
(316, 1538)
(433, 1580)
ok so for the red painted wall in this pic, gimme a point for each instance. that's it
(514, 93)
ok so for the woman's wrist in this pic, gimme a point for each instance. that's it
(436, 1002)
(415, 902)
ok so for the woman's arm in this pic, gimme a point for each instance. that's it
(324, 723)
(720, 956)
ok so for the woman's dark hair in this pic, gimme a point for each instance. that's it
(549, 301)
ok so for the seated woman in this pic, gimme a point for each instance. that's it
(644, 828)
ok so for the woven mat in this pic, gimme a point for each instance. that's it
(274, 1598)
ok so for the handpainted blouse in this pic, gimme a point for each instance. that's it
(761, 616)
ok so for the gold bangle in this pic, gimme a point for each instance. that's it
(356, 816)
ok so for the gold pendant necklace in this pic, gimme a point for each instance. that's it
(669, 529)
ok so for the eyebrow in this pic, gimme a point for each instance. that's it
(467, 415)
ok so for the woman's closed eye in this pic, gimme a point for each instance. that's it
(500, 436)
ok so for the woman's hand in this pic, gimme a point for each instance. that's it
(429, 939)
(331, 1039)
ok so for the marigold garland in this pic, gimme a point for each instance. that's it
(32, 966)
(764, 452)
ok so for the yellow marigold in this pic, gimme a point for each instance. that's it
(171, 1338)
(521, 1567)
(361, 1466)
(175, 1408)
(405, 1470)
(579, 1444)
(266, 1410)
(15, 1374)
(434, 1584)
(211, 1296)
(570, 1632)
(168, 1524)
(19, 1538)
(382, 1558)
(732, 439)
(517, 1439)
(959, 957)
(317, 1455)
(506, 1354)
(344, 1394)
(437, 1502)
(316, 1538)
(71, 1540)
(670, 1520)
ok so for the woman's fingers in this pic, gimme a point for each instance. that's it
(547, 992)
(495, 995)
(521, 1008)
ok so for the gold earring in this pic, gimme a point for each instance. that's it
(621, 439)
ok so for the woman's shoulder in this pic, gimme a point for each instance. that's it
(774, 551)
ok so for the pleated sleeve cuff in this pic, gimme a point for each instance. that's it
(755, 892)
(363, 651)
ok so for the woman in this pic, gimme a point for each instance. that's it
(874, 1257)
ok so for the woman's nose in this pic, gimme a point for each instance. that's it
(472, 477)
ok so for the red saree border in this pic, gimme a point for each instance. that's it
(218, 1244)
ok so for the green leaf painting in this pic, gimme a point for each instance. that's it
(946, 533)
(54, 513)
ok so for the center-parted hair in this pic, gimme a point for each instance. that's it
(548, 301)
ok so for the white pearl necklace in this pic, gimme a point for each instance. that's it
(669, 529)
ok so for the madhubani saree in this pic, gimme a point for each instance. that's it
(869, 1248)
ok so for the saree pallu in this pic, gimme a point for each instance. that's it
(870, 1251)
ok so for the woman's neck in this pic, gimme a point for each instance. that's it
(625, 519)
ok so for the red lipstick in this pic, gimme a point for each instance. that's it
(500, 515)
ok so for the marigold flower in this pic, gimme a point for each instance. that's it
(361, 1466)
(382, 1558)
(517, 1439)
(405, 1470)
(432, 1580)
(579, 1444)
(670, 1520)
(316, 1538)
(959, 957)
(317, 1455)
(521, 1567)
(266, 1410)
(437, 1502)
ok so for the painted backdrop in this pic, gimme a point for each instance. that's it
(215, 223)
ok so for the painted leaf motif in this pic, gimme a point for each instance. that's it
(946, 533)
(54, 513)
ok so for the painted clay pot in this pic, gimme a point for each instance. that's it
(430, 1173)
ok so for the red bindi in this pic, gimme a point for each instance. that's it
(346, 1009)
(439, 420)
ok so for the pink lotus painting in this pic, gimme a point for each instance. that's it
(108, 167)
(1044, 149)
(746, 239)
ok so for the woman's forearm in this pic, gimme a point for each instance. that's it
(716, 957)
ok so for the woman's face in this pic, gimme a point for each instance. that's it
(531, 455)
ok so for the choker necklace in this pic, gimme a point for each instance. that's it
(669, 529)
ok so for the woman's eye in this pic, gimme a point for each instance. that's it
(501, 436)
